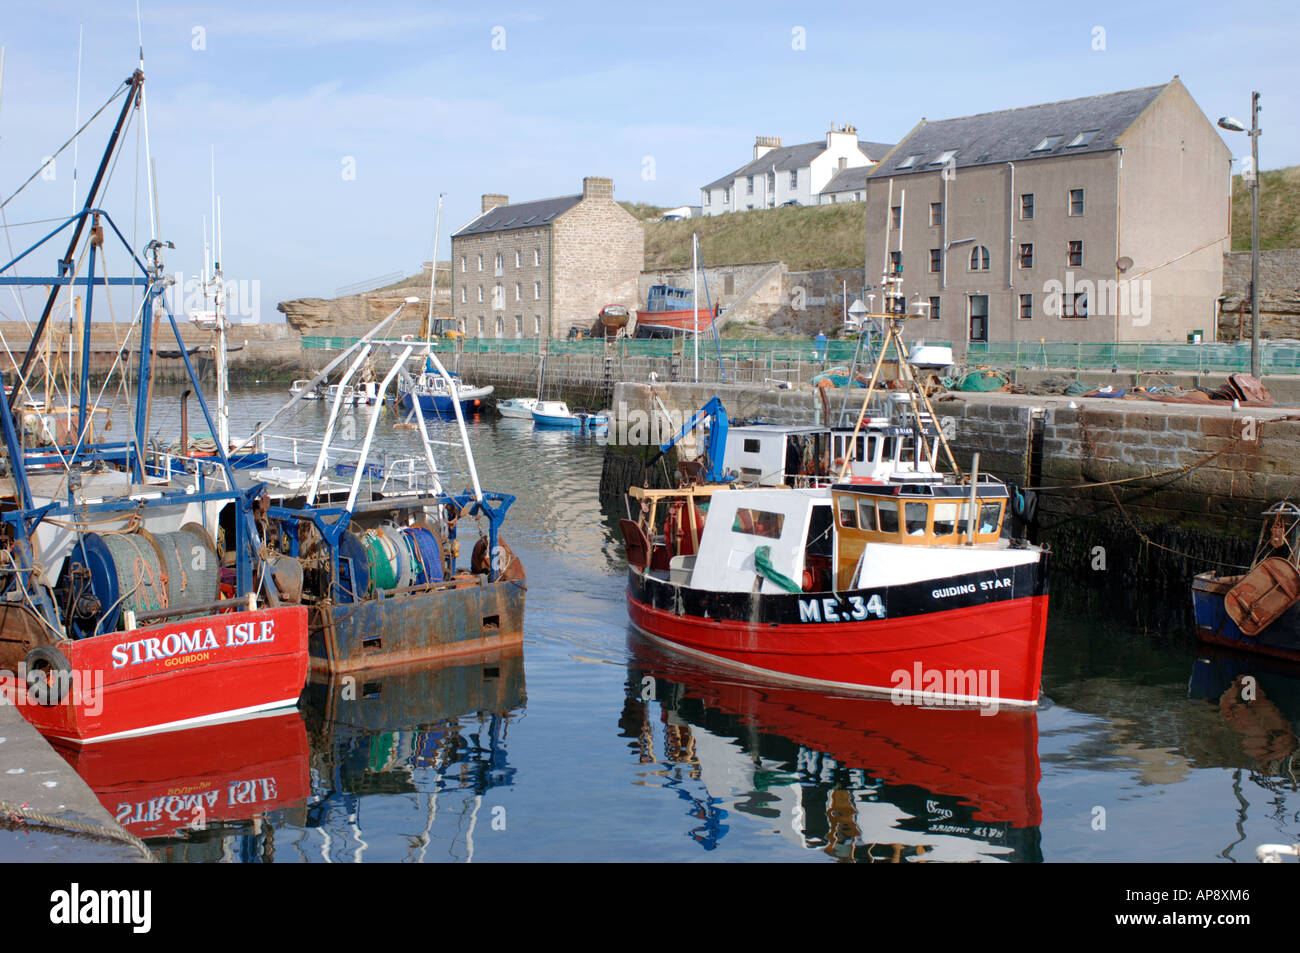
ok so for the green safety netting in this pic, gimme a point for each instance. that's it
(763, 563)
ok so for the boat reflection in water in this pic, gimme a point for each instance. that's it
(1259, 699)
(201, 784)
(421, 746)
(859, 778)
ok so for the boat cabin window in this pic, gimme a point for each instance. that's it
(751, 444)
(887, 448)
(758, 523)
(931, 521)
(916, 516)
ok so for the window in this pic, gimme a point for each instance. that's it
(1076, 254)
(936, 260)
(480, 325)
(1027, 256)
(848, 518)
(936, 213)
(537, 325)
(896, 216)
(887, 515)
(1027, 206)
(979, 258)
(752, 444)
(462, 264)
(537, 257)
(519, 325)
(500, 264)
(1084, 138)
(1075, 306)
(1026, 307)
(909, 162)
(498, 299)
(500, 325)
(916, 515)
(480, 294)
(934, 308)
(1076, 201)
(758, 523)
(480, 262)
(749, 185)
(462, 294)
(537, 291)
(518, 258)
(857, 196)
(726, 195)
(943, 157)
(895, 262)
(794, 179)
(1047, 144)
(519, 291)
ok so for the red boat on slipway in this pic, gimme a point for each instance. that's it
(904, 586)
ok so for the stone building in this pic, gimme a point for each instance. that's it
(1094, 220)
(536, 269)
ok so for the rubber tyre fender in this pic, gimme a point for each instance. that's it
(40, 663)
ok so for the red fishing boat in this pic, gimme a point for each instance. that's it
(906, 586)
(164, 677)
(120, 616)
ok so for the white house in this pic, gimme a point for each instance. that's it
(782, 175)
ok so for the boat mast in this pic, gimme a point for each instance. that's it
(223, 367)
(433, 274)
(695, 304)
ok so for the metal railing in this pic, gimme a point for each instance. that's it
(1207, 358)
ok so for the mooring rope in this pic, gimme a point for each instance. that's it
(24, 816)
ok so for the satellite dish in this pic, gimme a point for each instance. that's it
(1124, 263)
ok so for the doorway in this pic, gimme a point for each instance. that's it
(978, 307)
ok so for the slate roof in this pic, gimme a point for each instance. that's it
(789, 158)
(848, 180)
(1011, 135)
(520, 215)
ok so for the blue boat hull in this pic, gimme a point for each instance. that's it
(578, 422)
(438, 405)
(1213, 624)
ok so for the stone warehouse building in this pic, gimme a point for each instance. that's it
(779, 175)
(536, 269)
(1099, 219)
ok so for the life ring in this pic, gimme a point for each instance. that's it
(48, 675)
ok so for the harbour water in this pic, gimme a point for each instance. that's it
(591, 744)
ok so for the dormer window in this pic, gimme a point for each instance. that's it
(1048, 144)
(910, 161)
(944, 157)
(1084, 138)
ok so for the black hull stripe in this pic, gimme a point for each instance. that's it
(887, 602)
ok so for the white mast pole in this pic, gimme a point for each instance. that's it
(695, 303)
(433, 271)
(223, 367)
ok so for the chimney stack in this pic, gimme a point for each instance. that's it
(763, 144)
(491, 201)
(595, 187)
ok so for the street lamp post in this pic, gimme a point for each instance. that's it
(1234, 125)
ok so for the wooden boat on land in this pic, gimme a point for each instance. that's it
(905, 587)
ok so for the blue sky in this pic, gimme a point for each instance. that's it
(423, 100)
